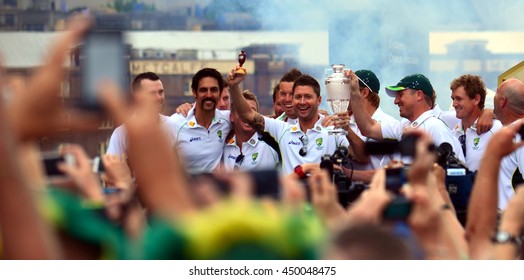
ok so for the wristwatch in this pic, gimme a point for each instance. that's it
(504, 237)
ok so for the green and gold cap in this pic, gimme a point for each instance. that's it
(415, 81)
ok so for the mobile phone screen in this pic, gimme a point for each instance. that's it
(103, 60)
(266, 183)
(51, 165)
(395, 179)
(50, 160)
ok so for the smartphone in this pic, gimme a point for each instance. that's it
(395, 179)
(103, 59)
(398, 209)
(51, 160)
(267, 183)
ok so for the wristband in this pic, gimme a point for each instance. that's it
(300, 172)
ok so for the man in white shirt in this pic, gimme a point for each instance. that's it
(200, 137)
(305, 141)
(468, 93)
(244, 149)
(285, 96)
(508, 105)
(148, 96)
(369, 86)
(482, 223)
(414, 97)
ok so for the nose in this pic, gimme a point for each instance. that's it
(455, 104)
(288, 98)
(397, 99)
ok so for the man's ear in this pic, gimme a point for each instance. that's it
(477, 99)
(194, 94)
(365, 94)
(503, 101)
(319, 100)
(420, 95)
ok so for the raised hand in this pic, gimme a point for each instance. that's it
(81, 173)
(234, 77)
(325, 200)
(36, 109)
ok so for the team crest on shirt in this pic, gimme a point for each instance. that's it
(294, 129)
(319, 142)
(254, 157)
(476, 143)
(219, 134)
(191, 123)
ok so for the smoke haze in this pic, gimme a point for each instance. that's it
(390, 38)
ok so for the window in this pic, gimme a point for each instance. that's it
(187, 88)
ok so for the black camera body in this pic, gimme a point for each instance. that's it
(459, 180)
(339, 157)
(347, 191)
(400, 207)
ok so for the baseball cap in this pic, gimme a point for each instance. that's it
(415, 81)
(368, 79)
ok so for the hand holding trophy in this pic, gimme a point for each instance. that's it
(241, 59)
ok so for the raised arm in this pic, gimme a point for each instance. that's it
(368, 127)
(357, 149)
(512, 222)
(38, 99)
(240, 104)
(162, 184)
(482, 210)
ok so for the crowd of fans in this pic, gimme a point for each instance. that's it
(206, 183)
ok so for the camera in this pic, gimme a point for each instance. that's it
(459, 179)
(406, 147)
(400, 207)
(446, 158)
(347, 191)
